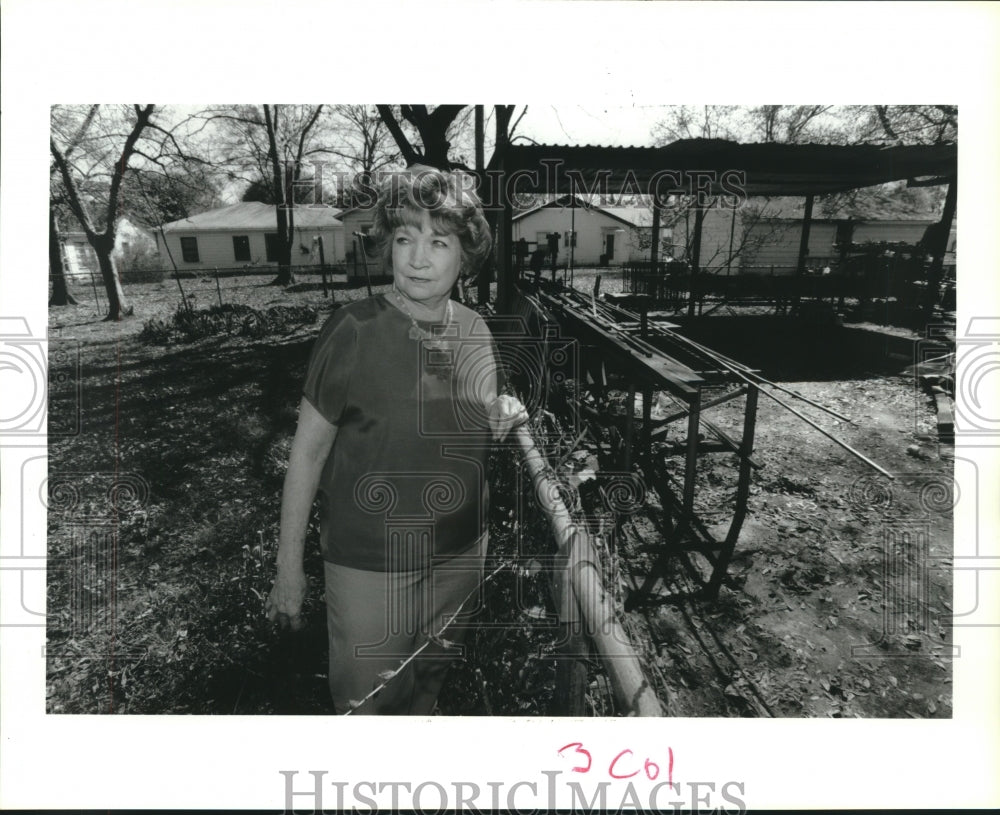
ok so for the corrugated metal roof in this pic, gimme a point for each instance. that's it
(251, 216)
(769, 169)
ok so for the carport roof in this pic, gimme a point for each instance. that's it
(770, 169)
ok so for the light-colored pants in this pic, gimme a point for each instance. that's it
(375, 620)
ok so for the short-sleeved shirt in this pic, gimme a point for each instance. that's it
(406, 481)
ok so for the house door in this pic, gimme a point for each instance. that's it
(609, 245)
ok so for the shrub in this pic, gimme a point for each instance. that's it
(140, 265)
(190, 324)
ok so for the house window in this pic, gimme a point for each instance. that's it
(241, 247)
(189, 250)
(271, 247)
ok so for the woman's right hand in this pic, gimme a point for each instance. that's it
(284, 604)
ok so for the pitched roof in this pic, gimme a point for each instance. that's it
(253, 215)
(630, 216)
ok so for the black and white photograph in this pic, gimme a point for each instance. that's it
(698, 464)
(623, 436)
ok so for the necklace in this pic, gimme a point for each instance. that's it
(436, 354)
(418, 333)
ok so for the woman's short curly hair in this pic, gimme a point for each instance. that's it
(449, 199)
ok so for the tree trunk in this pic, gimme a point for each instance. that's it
(118, 305)
(693, 278)
(285, 276)
(60, 292)
(280, 183)
(942, 233)
(498, 217)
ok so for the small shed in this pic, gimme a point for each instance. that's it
(605, 235)
(245, 235)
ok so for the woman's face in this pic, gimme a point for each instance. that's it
(425, 263)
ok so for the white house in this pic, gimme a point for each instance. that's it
(604, 235)
(780, 238)
(131, 241)
(764, 235)
(245, 235)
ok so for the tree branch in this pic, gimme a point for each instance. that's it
(882, 112)
(409, 154)
(122, 165)
(74, 197)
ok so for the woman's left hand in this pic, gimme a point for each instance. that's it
(506, 413)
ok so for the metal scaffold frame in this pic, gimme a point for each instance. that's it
(613, 339)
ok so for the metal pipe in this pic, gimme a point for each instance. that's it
(633, 692)
(831, 437)
(735, 367)
(743, 371)
(746, 374)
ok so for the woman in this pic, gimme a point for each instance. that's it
(399, 407)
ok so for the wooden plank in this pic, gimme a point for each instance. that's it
(945, 414)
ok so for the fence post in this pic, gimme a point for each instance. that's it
(93, 283)
(322, 264)
(218, 289)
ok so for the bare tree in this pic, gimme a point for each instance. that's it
(163, 194)
(102, 240)
(432, 129)
(94, 149)
(699, 122)
(271, 145)
(60, 291)
(375, 148)
(908, 124)
(789, 124)
(362, 142)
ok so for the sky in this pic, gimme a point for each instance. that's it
(585, 124)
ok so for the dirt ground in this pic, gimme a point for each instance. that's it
(838, 598)
(163, 503)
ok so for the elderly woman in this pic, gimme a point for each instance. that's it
(399, 408)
